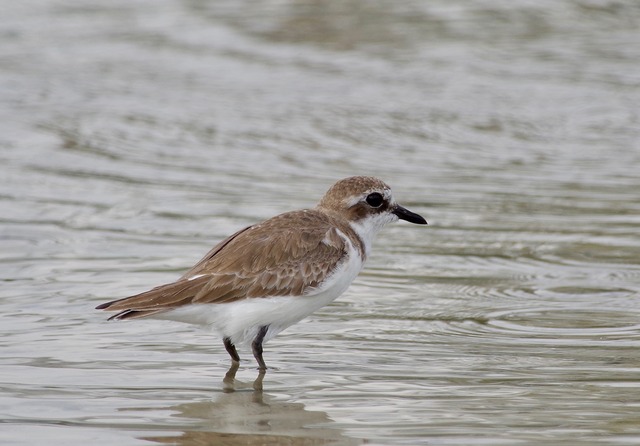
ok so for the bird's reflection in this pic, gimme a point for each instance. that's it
(243, 414)
(229, 380)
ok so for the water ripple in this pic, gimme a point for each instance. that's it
(567, 322)
(134, 138)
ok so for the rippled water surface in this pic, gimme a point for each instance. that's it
(135, 135)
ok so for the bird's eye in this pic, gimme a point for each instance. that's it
(375, 200)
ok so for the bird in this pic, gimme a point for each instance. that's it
(271, 275)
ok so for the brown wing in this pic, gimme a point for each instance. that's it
(287, 255)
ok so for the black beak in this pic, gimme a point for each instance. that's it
(411, 217)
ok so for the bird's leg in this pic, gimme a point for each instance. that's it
(256, 346)
(231, 349)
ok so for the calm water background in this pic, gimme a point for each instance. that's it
(135, 135)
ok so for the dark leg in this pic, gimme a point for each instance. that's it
(256, 346)
(231, 349)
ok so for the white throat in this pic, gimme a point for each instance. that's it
(368, 227)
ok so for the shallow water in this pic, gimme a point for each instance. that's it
(135, 135)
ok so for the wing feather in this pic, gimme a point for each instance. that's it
(290, 254)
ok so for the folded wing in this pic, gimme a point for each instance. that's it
(288, 255)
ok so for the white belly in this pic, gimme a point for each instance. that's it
(241, 320)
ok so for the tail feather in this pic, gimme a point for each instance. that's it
(157, 300)
(134, 314)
